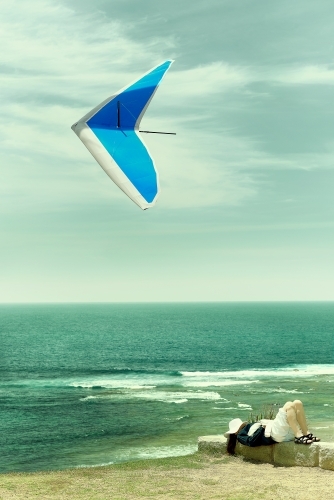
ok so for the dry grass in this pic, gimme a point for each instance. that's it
(195, 477)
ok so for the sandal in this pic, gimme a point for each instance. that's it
(315, 439)
(303, 440)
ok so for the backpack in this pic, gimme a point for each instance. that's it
(256, 439)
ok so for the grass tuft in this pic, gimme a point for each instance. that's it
(268, 412)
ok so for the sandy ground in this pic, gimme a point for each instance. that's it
(202, 477)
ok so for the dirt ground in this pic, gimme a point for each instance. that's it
(197, 477)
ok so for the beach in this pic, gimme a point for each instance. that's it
(196, 476)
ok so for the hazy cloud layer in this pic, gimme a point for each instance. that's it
(250, 96)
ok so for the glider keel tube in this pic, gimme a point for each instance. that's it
(111, 133)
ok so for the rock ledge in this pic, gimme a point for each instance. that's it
(285, 454)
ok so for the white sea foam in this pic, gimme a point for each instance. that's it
(248, 408)
(176, 397)
(164, 451)
(287, 391)
(147, 381)
(105, 464)
(176, 401)
(144, 452)
(111, 384)
(218, 383)
(243, 405)
(272, 390)
(295, 371)
(163, 396)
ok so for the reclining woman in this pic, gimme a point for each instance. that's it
(289, 423)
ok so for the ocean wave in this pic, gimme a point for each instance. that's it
(287, 391)
(164, 451)
(123, 371)
(249, 408)
(83, 466)
(162, 396)
(119, 384)
(147, 452)
(289, 371)
(176, 401)
(127, 378)
(219, 383)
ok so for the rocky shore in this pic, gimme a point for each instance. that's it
(282, 454)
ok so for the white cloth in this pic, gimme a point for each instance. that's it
(253, 428)
(267, 424)
(280, 430)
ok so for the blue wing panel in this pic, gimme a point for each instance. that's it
(132, 102)
(114, 126)
(132, 157)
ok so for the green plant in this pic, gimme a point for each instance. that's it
(268, 412)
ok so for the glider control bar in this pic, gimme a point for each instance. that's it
(150, 132)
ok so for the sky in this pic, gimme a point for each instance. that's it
(246, 205)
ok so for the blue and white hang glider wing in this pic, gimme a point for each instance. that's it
(111, 133)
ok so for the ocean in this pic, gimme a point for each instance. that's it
(83, 385)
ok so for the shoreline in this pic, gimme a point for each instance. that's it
(197, 476)
(323, 429)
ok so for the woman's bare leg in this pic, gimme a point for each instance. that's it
(301, 417)
(296, 417)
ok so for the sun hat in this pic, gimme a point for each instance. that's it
(234, 426)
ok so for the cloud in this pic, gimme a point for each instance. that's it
(209, 79)
(57, 64)
(320, 74)
(49, 50)
(198, 168)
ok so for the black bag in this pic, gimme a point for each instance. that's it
(256, 439)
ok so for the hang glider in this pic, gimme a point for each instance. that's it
(111, 133)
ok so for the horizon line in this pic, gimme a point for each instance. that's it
(299, 301)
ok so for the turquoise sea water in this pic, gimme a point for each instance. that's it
(85, 385)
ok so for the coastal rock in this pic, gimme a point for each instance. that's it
(290, 454)
(285, 454)
(213, 444)
(263, 454)
(326, 456)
